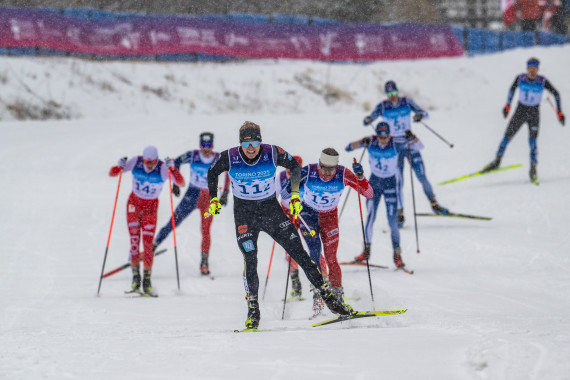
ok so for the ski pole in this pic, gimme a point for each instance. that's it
(125, 266)
(435, 133)
(110, 229)
(268, 270)
(286, 287)
(413, 197)
(311, 231)
(364, 239)
(553, 106)
(173, 227)
(350, 188)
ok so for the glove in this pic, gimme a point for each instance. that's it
(295, 206)
(224, 198)
(175, 190)
(418, 117)
(409, 135)
(122, 162)
(561, 118)
(358, 170)
(215, 207)
(366, 140)
(367, 121)
(169, 163)
(506, 110)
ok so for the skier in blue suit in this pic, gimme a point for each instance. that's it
(396, 111)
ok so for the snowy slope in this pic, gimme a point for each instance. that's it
(489, 300)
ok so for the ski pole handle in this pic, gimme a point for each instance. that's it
(207, 215)
(311, 232)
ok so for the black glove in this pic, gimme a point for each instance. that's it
(224, 198)
(367, 121)
(358, 170)
(175, 190)
(418, 117)
(409, 135)
(506, 110)
(366, 140)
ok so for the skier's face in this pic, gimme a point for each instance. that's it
(206, 149)
(392, 96)
(532, 72)
(383, 139)
(251, 149)
(326, 172)
(150, 164)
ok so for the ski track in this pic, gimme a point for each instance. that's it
(488, 300)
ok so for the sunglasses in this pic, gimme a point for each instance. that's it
(383, 137)
(392, 93)
(246, 144)
(206, 145)
(328, 169)
(150, 162)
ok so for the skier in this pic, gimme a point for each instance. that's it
(252, 166)
(531, 86)
(396, 111)
(283, 189)
(196, 196)
(383, 159)
(324, 183)
(149, 175)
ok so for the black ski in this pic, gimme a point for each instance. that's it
(360, 263)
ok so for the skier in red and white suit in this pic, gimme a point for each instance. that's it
(283, 189)
(149, 175)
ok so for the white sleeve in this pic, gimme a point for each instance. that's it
(163, 171)
(130, 164)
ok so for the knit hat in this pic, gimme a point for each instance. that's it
(150, 153)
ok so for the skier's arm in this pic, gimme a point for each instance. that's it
(288, 162)
(169, 166)
(185, 158)
(512, 90)
(123, 165)
(362, 143)
(360, 185)
(219, 166)
(418, 111)
(374, 115)
(554, 92)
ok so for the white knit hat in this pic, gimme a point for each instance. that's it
(150, 153)
(328, 160)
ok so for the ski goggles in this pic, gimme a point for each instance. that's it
(150, 162)
(392, 93)
(247, 144)
(206, 145)
(327, 169)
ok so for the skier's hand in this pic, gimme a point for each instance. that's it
(224, 197)
(215, 207)
(410, 136)
(295, 206)
(418, 117)
(561, 118)
(169, 163)
(367, 121)
(175, 190)
(358, 170)
(366, 141)
(506, 110)
(122, 162)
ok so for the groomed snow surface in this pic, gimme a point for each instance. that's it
(488, 300)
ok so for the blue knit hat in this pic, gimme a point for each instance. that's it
(383, 129)
(390, 86)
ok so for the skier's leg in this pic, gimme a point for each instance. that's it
(420, 170)
(184, 208)
(330, 238)
(390, 195)
(134, 225)
(206, 223)
(514, 125)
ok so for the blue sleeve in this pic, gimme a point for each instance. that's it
(304, 175)
(185, 158)
(360, 145)
(417, 109)
(377, 111)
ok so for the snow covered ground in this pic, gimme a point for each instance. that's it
(489, 300)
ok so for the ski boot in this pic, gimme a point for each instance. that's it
(147, 287)
(365, 255)
(437, 209)
(333, 303)
(296, 290)
(398, 258)
(253, 313)
(338, 292)
(204, 269)
(401, 218)
(136, 284)
(492, 165)
(154, 245)
(318, 303)
(532, 173)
